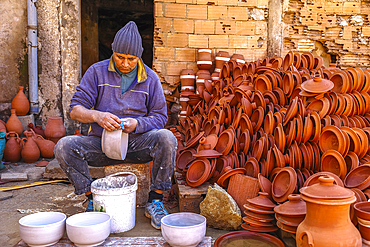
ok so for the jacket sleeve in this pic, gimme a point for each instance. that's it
(87, 91)
(157, 109)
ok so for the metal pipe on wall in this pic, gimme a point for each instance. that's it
(32, 56)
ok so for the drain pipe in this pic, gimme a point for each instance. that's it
(32, 56)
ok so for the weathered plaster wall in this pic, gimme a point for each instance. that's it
(70, 47)
(13, 47)
(50, 73)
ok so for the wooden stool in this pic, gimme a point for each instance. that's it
(142, 171)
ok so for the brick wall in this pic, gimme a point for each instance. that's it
(337, 27)
(183, 26)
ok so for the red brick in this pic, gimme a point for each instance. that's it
(175, 10)
(366, 31)
(158, 9)
(185, 54)
(163, 24)
(245, 28)
(174, 68)
(352, 7)
(183, 26)
(238, 41)
(198, 12)
(225, 27)
(237, 13)
(186, 1)
(218, 41)
(198, 41)
(164, 53)
(217, 12)
(177, 40)
(204, 27)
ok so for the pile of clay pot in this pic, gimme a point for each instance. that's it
(38, 143)
(286, 121)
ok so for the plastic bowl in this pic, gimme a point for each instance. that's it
(88, 229)
(42, 229)
(183, 229)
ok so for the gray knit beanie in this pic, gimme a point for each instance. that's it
(128, 40)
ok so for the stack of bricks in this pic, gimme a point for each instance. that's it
(183, 26)
(342, 27)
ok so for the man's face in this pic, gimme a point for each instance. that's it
(124, 62)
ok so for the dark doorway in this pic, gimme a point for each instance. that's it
(101, 19)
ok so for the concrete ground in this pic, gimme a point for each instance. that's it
(56, 197)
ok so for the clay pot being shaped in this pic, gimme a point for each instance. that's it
(14, 124)
(30, 151)
(46, 146)
(20, 103)
(327, 205)
(13, 147)
(54, 129)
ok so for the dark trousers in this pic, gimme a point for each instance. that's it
(75, 153)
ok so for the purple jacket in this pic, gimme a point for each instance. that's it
(100, 89)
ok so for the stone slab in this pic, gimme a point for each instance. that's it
(142, 173)
(14, 176)
(128, 242)
(53, 171)
(5, 195)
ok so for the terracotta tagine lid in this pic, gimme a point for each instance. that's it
(207, 152)
(314, 179)
(295, 207)
(317, 85)
(284, 184)
(42, 163)
(326, 191)
(333, 161)
(198, 172)
(223, 181)
(262, 201)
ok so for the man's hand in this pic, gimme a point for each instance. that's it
(108, 121)
(130, 124)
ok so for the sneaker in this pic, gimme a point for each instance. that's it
(90, 206)
(155, 211)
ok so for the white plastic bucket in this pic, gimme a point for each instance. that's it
(110, 195)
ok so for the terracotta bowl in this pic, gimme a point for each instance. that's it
(358, 177)
(362, 210)
(314, 179)
(242, 238)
